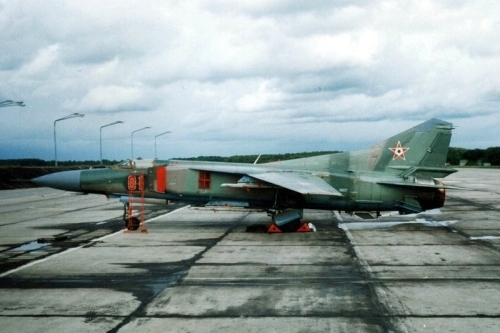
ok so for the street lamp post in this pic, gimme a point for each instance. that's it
(158, 136)
(100, 135)
(9, 102)
(132, 139)
(73, 115)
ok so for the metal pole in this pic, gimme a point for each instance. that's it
(100, 135)
(132, 139)
(100, 143)
(55, 143)
(158, 136)
(73, 115)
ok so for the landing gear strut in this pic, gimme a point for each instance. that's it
(131, 222)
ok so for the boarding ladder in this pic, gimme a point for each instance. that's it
(136, 188)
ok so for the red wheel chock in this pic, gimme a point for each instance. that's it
(304, 227)
(273, 228)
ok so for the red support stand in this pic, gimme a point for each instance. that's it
(273, 229)
(304, 227)
(136, 187)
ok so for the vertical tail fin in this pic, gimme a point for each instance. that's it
(423, 147)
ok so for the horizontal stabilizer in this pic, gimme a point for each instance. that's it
(432, 172)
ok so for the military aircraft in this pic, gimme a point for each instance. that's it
(397, 174)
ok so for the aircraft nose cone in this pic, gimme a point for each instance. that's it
(66, 180)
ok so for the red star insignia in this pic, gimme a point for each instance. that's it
(399, 151)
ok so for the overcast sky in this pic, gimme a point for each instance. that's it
(243, 77)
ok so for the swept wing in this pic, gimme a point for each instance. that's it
(300, 182)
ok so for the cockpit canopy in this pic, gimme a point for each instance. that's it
(136, 164)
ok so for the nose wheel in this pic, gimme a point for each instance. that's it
(132, 223)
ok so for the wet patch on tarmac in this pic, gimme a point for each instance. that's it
(31, 246)
(76, 234)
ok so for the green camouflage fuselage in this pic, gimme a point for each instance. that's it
(396, 174)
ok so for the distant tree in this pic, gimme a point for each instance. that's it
(474, 156)
(265, 158)
(492, 155)
(455, 155)
(24, 162)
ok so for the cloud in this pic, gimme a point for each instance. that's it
(113, 98)
(42, 62)
(238, 73)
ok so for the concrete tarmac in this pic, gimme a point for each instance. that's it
(199, 271)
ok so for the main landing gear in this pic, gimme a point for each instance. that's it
(284, 221)
(289, 221)
(296, 226)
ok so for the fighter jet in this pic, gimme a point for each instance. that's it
(397, 174)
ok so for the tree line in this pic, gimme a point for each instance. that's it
(36, 162)
(264, 158)
(470, 157)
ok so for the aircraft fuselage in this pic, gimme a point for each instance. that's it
(360, 191)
